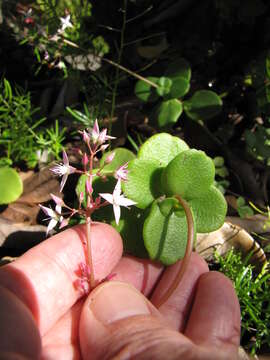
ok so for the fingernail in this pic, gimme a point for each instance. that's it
(115, 301)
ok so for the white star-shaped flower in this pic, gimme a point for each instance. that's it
(63, 170)
(66, 23)
(117, 200)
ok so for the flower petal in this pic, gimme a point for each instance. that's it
(57, 200)
(65, 158)
(107, 197)
(47, 211)
(122, 201)
(117, 190)
(117, 213)
(51, 225)
(63, 181)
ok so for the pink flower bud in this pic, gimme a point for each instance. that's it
(86, 137)
(110, 158)
(104, 147)
(85, 160)
(89, 188)
(81, 197)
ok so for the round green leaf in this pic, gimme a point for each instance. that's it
(121, 157)
(162, 147)
(179, 87)
(189, 174)
(203, 105)
(169, 112)
(11, 185)
(179, 68)
(164, 86)
(209, 210)
(165, 232)
(145, 91)
(143, 183)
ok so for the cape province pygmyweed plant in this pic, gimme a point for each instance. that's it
(171, 186)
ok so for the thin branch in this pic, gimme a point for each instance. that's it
(144, 38)
(141, 14)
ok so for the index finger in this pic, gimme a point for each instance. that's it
(44, 277)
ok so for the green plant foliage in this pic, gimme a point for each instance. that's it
(162, 147)
(179, 88)
(179, 69)
(209, 210)
(164, 86)
(203, 105)
(258, 143)
(189, 174)
(221, 173)
(21, 136)
(169, 112)
(11, 185)
(253, 291)
(146, 92)
(157, 226)
(258, 77)
(180, 74)
(143, 184)
(165, 231)
(243, 209)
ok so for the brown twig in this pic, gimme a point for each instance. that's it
(185, 260)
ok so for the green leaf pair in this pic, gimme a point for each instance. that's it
(174, 85)
(165, 167)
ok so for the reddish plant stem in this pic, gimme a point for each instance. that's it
(88, 228)
(89, 252)
(185, 260)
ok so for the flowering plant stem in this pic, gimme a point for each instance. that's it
(185, 260)
(89, 252)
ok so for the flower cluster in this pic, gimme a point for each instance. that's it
(95, 141)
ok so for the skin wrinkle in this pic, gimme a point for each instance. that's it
(140, 342)
(123, 334)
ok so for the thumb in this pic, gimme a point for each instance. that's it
(118, 322)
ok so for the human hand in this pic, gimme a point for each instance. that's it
(42, 314)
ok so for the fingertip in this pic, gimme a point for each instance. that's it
(215, 316)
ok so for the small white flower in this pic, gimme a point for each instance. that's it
(64, 170)
(65, 23)
(54, 216)
(121, 173)
(117, 200)
(99, 137)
